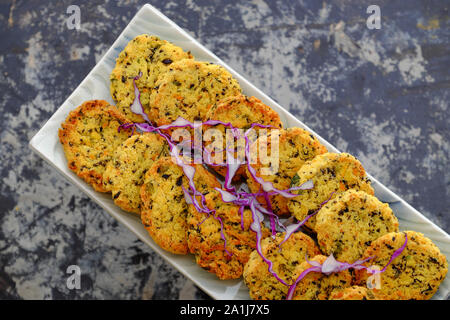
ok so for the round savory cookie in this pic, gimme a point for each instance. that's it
(317, 285)
(413, 275)
(331, 173)
(125, 174)
(89, 137)
(241, 112)
(164, 207)
(353, 293)
(205, 237)
(262, 284)
(189, 89)
(296, 146)
(347, 225)
(145, 55)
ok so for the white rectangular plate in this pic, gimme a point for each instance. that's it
(96, 86)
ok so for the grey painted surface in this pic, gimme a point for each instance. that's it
(381, 95)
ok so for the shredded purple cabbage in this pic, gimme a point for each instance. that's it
(258, 218)
(394, 255)
(240, 198)
(245, 199)
(136, 107)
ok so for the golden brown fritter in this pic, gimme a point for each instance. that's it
(206, 243)
(89, 137)
(125, 174)
(241, 112)
(296, 146)
(146, 55)
(261, 283)
(330, 172)
(415, 274)
(347, 225)
(164, 207)
(317, 285)
(188, 89)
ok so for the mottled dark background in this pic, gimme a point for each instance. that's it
(381, 95)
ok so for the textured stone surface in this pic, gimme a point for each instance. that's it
(381, 95)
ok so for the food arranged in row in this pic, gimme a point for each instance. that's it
(338, 241)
